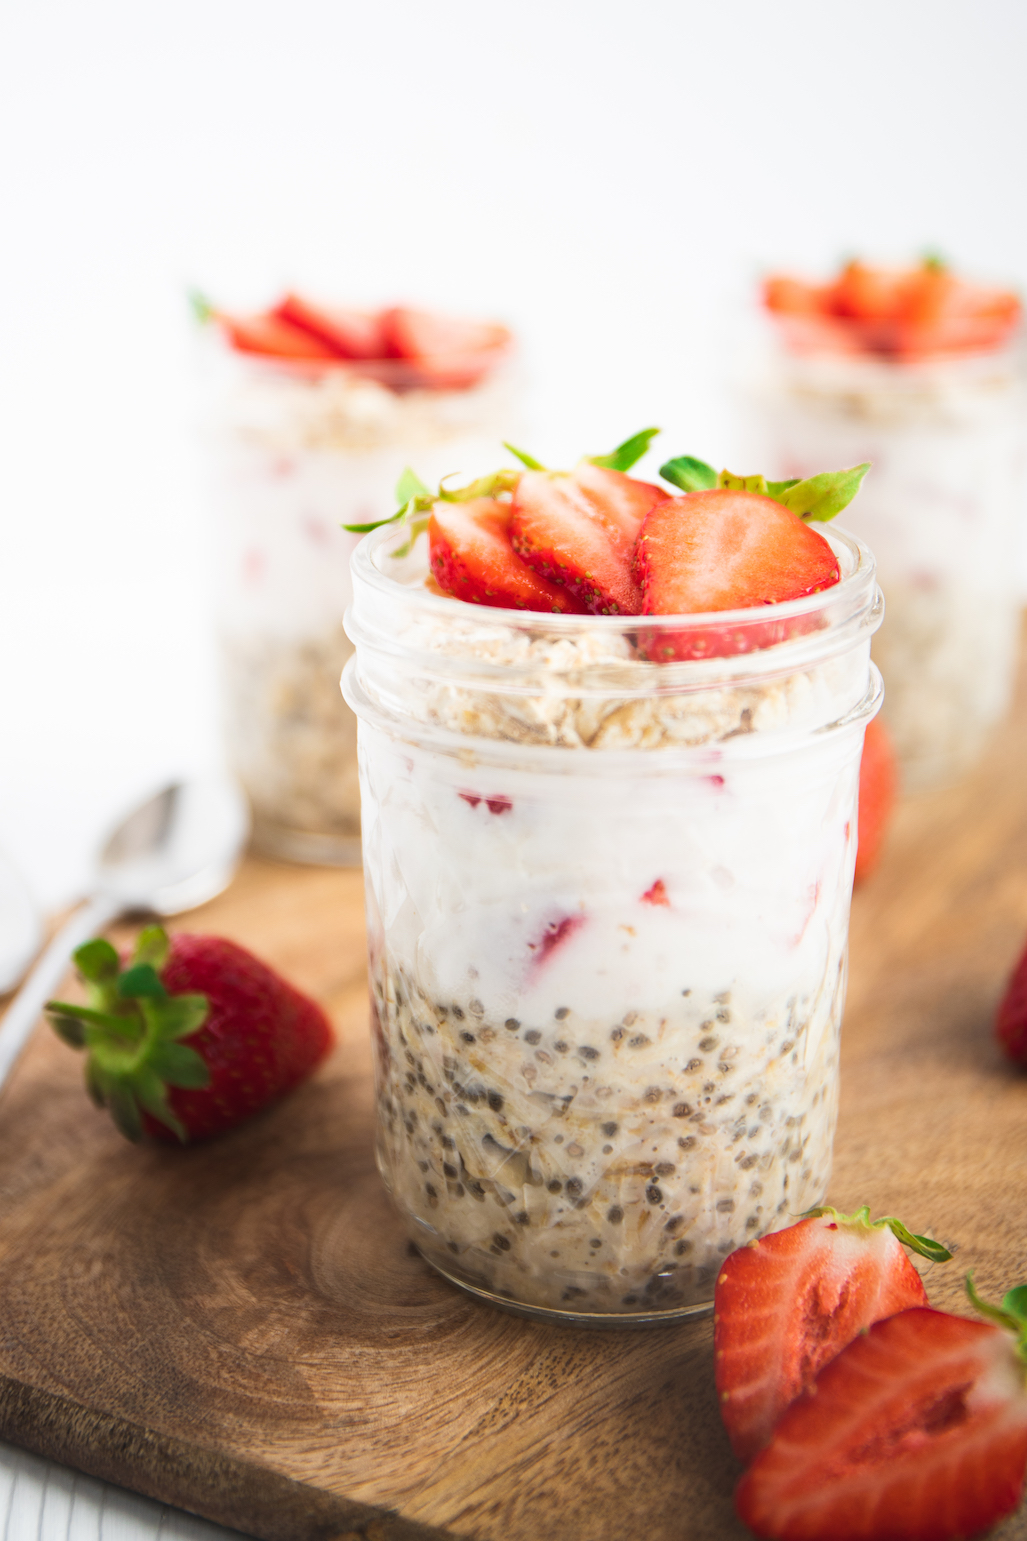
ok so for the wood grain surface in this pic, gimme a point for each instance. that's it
(243, 1331)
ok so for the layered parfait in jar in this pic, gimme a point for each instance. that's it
(311, 414)
(921, 373)
(609, 750)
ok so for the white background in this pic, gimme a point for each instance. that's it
(610, 177)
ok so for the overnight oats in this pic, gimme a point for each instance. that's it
(921, 374)
(608, 865)
(311, 417)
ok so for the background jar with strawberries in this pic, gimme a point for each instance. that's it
(607, 903)
(923, 375)
(311, 415)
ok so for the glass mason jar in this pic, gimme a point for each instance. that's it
(294, 451)
(607, 907)
(941, 509)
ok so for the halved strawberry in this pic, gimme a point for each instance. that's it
(787, 1304)
(272, 336)
(472, 559)
(917, 1431)
(353, 334)
(724, 549)
(878, 783)
(580, 527)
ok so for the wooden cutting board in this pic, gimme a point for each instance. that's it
(242, 1329)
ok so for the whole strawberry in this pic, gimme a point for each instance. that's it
(1011, 1022)
(917, 1431)
(191, 1038)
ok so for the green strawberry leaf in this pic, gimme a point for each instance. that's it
(179, 1016)
(525, 459)
(178, 1065)
(153, 1096)
(625, 455)
(743, 483)
(125, 1111)
(410, 486)
(96, 1083)
(822, 497)
(689, 474)
(376, 524)
(926, 1246)
(122, 1026)
(1015, 1302)
(774, 489)
(142, 980)
(97, 961)
(152, 946)
(201, 307)
(996, 1314)
(71, 1030)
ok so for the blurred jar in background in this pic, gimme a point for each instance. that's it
(311, 415)
(922, 374)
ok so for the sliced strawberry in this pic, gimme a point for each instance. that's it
(420, 334)
(472, 559)
(353, 334)
(726, 550)
(445, 353)
(917, 1431)
(273, 336)
(790, 1302)
(580, 527)
(878, 783)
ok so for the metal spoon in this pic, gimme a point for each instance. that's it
(21, 929)
(174, 851)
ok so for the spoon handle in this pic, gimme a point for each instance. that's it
(20, 1017)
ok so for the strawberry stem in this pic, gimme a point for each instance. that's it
(926, 1246)
(131, 1031)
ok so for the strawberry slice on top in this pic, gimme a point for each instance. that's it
(580, 527)
(273, 336)
(787, 1304)
(471, 558)
(917, 1431)
(352, 334)
(725, 549)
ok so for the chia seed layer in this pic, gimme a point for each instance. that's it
(598, 1167)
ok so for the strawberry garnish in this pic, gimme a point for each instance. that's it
(917, 1431)
(273, 336)
(1011, 1022)
(581, 527)
(194, 1036)
(353, 334)
(472, 559)
(878, 783)
(909, 313)
(421, 334)
(787, 1304)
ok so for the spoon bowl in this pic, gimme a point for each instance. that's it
(176, 850)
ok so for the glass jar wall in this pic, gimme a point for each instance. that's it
(608, 908)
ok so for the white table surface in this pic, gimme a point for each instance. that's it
(41, 1501)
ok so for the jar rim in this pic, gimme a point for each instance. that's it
(848, 611)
